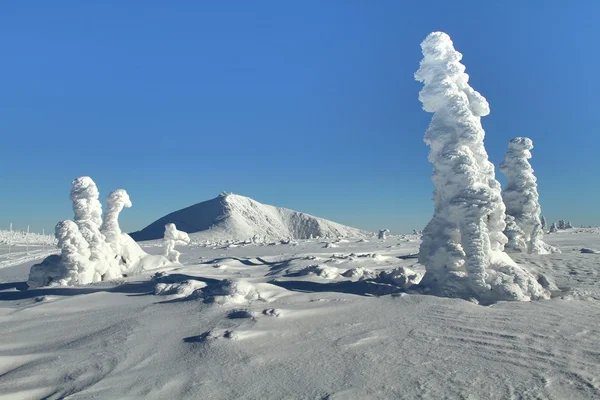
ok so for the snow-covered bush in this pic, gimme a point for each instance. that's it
(522, 200)
(383, 234)
(172, 238)
(90, 251)
(463, 244)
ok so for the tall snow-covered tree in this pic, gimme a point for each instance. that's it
(463, 244)
(522, 200)
(88, 217)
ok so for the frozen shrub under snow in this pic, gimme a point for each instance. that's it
(172, 238)
(92, 251)
(463, 244)
(524, 229)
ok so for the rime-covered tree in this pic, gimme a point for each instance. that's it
(88, 217)
(522, 200)
(544, 223)
(463, 244)
(172, 238)
(116, 201)
(553, 228)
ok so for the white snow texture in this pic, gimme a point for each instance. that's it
(91, 251)
(524, 223)
(463, 244)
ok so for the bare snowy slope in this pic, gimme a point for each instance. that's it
(235, 217)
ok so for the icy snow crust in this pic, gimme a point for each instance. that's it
(235, 217)
(463, 244)
(261, 322)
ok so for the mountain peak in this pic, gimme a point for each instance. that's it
(236, 217)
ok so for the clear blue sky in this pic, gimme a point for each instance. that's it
(309, 105)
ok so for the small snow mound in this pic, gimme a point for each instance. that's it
(179, 290)
(330, 245)
(322, 271)
(401, 276)
(360, 272)
(230, 291)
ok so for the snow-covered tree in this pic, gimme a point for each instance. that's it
(463, 244)
(553, 228)
(544, 223)
(522, 200)
(568, 225)
(172, 238)
(383, 234)
(88, 217)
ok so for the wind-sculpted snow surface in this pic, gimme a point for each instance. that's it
(91, 252)
(522, 200)
(463, 244)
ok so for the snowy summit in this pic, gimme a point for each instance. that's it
(235, 217)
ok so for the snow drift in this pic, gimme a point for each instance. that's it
(235, 217)
(463, 244)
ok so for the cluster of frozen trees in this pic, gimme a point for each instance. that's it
(562, 224)
(92, 246)
(463, 244)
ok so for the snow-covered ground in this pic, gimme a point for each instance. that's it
(295, 321)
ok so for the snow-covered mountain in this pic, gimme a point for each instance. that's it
(231, 216)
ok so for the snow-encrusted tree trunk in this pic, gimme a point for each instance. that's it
(522, 200)
(544, 223)
(172, 238)
(463, 244)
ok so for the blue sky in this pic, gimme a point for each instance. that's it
(308, 105)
